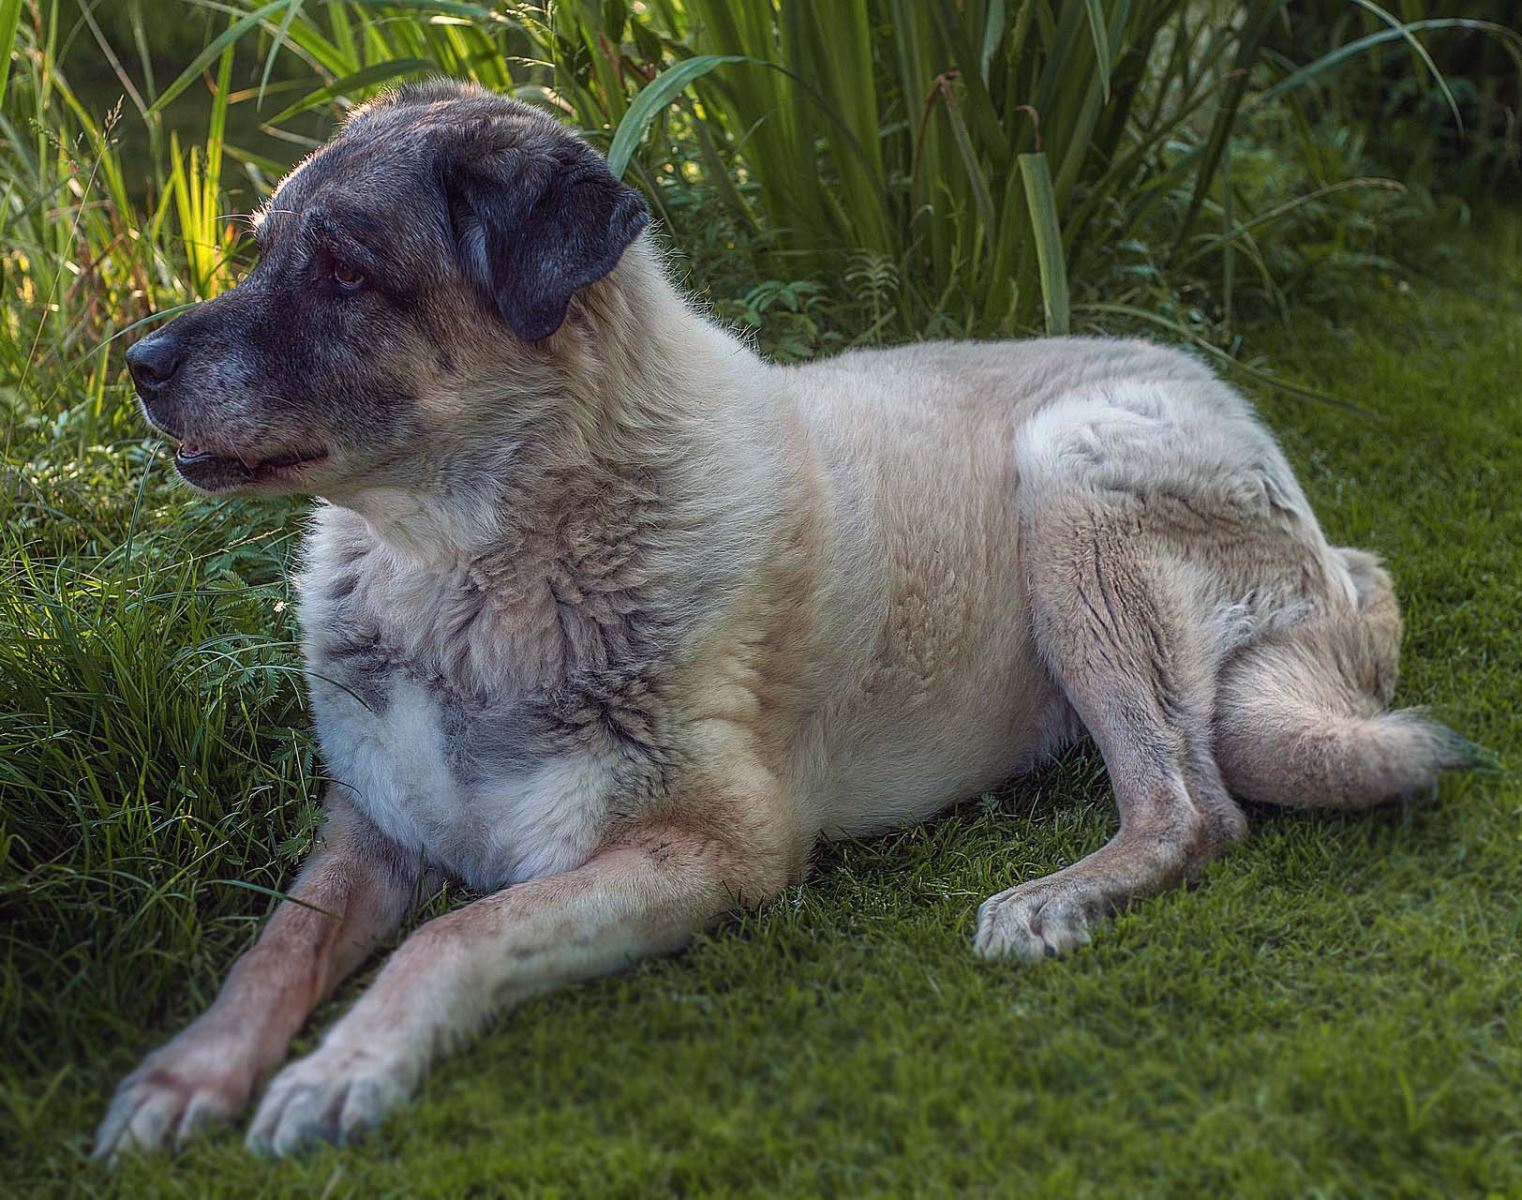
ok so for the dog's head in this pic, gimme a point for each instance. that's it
(437, 241)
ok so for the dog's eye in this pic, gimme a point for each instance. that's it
(347, 278)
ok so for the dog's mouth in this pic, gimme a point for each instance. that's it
(214, 472)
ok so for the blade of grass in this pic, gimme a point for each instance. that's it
(1044, 225)
(1183, 331)
(1421, 53)
(10, 18)
(1342, 54)
(993, 32)
(1101, 44)
(982, 194)
(276, 42)
(653, 99)
(228, 37)
(382, 72)
(1233, 234)
(1255, 27)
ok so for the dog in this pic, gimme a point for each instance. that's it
(611, 620)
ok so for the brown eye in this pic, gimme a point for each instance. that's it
(346, 277)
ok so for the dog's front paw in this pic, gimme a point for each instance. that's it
(331, 1095)
(1033, 921)
(202, 1077)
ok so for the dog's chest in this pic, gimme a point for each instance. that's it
(446, 711)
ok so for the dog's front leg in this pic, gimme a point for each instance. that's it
(645, 895)
(352, 892)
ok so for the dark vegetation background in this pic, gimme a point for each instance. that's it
(1318, 195)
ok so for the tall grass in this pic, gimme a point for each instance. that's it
(991, 154)
(1444, 114)
(146, 700)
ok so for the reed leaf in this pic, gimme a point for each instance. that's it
(655, 97)
(357, 81)
(10, 18)
(1042, 202)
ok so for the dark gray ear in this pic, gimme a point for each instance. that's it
(534, 225)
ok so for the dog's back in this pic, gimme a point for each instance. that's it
(929, 449)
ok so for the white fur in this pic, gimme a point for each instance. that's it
(521, 826)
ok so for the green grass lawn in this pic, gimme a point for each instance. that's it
(1329, 1012)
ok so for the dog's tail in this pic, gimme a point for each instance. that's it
(1301, 715)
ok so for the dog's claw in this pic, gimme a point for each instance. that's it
(155, 1109)
(201, 1077)
(332, 1095)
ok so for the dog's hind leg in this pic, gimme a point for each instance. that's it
(1126, 629)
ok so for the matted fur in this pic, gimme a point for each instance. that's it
(614, 624)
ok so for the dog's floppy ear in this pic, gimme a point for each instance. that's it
(535, 224)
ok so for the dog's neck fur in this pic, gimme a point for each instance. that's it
(619, 424)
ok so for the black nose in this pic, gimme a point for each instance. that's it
(153, 362)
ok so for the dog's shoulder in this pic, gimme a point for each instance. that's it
(487, 708)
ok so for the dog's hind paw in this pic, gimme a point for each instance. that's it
(331, 1095)
(1031, 922)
